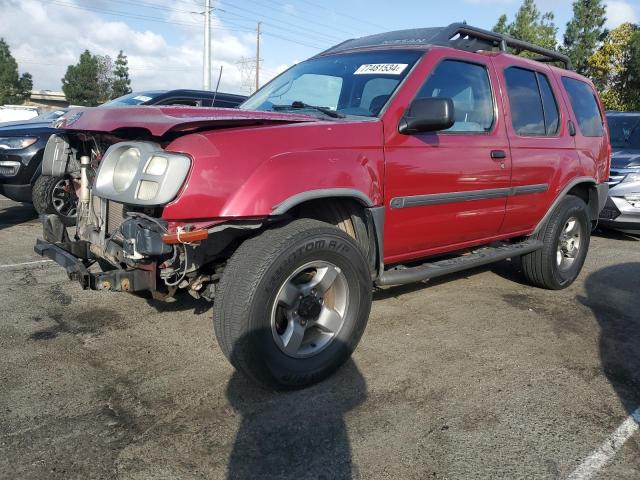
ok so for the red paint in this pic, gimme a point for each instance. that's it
(441, 163)
(537, 159)
(263, 158)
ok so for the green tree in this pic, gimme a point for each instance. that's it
(121, 83)
(13, 87)
(530, 25)
(609, 67)
(501, 26)
(80, 82)
(583, 32)
(631, 73)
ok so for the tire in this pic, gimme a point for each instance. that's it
(252, 327)
(550, 267)
(49, 197)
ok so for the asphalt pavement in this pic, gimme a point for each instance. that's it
(476, 375)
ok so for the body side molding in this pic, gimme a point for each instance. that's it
(453, 197)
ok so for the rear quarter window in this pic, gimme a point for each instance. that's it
(585, 107)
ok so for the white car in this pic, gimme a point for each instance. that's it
(622, 210)
(11, 113)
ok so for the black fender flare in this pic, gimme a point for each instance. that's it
(374, 214)
(597, 198)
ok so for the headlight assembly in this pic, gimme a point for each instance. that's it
(126, 169)
(16, 143)
(141, 173)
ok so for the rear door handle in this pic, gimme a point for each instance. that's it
(498, 154)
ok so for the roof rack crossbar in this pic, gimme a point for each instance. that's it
(457, 35)
(504, 42)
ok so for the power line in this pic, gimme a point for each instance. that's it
(135, 16)
(191, 25)
(358, 19)
(154, 6)
(265, 18)
(313, 22)
(300, 30)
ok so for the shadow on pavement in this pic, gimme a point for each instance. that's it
(613, 295)
(183, 302)
(617, 235)
(15, 214)
(299, 434)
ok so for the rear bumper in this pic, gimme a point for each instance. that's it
(619, 213)
(603, 195)
(75, 264)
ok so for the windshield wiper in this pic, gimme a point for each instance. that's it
(299, 105)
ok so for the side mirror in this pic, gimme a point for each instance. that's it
(427, 115)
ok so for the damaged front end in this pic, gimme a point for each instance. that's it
(121, 242)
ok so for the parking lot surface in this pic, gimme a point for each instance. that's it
(473, 376)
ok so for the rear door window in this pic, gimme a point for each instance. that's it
(467, 84)
(585, 107)
(534, 110)
(551, 115)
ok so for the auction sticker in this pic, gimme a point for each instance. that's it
(381, 68)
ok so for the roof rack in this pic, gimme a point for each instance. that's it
(457, 35)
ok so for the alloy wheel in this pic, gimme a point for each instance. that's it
(309, 309)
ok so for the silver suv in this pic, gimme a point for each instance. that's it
(622, 210)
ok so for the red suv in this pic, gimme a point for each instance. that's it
(384, 160)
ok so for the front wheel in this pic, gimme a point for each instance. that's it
(293, 303)
(566, 237)
(55, 195)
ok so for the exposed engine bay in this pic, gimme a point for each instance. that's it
(121, 186)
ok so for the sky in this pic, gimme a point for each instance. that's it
(163, 39)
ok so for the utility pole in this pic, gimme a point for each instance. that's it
(258, 57)
(206, 64)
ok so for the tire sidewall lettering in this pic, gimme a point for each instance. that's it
(306, 249)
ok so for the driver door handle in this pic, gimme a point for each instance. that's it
(498, 154)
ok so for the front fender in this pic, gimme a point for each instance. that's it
(257, 172)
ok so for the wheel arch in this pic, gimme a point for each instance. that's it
(584, 188)
(336, 206)
(322, 194)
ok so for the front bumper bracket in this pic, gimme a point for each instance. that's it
(130, 280)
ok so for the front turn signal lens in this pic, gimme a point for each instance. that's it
(147, 190)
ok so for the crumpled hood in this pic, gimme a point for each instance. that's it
(161, 120)
(625, 158)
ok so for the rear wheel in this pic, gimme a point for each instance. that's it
(55, 195)
(293, 303)
(566, 237)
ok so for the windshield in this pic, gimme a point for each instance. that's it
(136, 98)
(624, 131)
(357, 84)
(51, 115)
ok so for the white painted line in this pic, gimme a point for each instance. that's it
(14, 265)
(603, 455)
